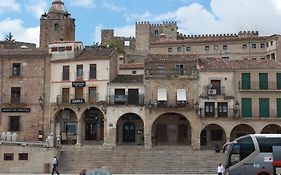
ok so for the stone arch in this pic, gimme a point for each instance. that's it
(211, 136)
(240, 130)
(92, 125)
(65, 126)
(130, 129)
(171, 129)
(271, 129)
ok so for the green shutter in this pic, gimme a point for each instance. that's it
(246, 81)
(278, 79)
(263, 81)
(278, 107)
(264, 107)
(246, 107)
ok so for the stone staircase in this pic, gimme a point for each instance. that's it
(137, 160)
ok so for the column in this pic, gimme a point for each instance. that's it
(79, 132)
(147, 133)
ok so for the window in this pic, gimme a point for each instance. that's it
(216, 47)
(70, 128)
(263, 81)
(16, 69)
(93, 71)
(254, 46)
(244, 46)
(65, 73)
(170, 49)
(56, 26)
(267, 44)
(161, 68)
(188, 49)
(222, 109)
(156, 33)
(262, 45)
(278, 105)
(15, 95)
(264, 107)
(209, 109)
(271, 43)
(14, 123)
(54, 49)
(68, 48)
(65, 95)
(207, 48)
(126, 43)
(216, 135)
(179, 69)
(246, 107)
(120, 97)
(79, 71)
(266, 144)
(92, 94)
(254, 58)
(179, 49)
(246, 81)
(134, 72)
(225, 58)
(23, 156)
(246, 147)
(224, 47)
(278, 81)
(8, 156)
(79, 93)
(61, 49)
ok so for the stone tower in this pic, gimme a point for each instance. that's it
(56, 25)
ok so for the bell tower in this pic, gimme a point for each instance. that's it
(56, 25)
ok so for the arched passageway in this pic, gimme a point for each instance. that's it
(241, 130)
(271, 129)
(130, 130)
(66, 126)
(211, 136)
(171, 129)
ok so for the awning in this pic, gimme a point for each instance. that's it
(162, 94)
(181, 95)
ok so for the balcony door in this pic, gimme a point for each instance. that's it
(119, 97)
(209, 109)
(65, 95)
(133, 96)
(15, 95)
(216, 84)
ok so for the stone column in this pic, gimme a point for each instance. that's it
(79, 132)
(147, 132)
(195, 139)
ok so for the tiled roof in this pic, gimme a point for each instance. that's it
(170, 58)
(132, 66)
(218, 64)
(128, 79)
(22, 52)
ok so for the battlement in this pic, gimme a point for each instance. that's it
(240, 34)
(107, 30)
(142, 22)
(123, 37)
(163, 24)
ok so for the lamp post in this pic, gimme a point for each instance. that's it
(149, 105)
(236, 109)
(196, 105)
(41, 103)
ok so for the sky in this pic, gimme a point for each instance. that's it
(22, 17)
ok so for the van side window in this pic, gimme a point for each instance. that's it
(247, 147)
(265, 144)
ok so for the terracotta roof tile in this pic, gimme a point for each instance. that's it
(132, 66)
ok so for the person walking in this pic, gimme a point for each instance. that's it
(55, 164)
(220, 169)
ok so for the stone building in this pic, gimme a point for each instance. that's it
(56, 25)
(24, 80)
(16, 45)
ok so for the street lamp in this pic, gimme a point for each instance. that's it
(149, 105)
(40, 133)
(236, 108)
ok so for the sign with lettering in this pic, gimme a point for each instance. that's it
(78, 84)
(77, 101)
(15, 109)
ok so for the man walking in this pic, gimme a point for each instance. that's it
(55, 164)
(220, 169)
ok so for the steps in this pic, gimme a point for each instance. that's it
(137, 160)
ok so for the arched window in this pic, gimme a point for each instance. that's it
(56, 26)
(156, 33)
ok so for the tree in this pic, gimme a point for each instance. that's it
(114, 43)
(9, 37)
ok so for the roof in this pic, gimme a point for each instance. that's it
(171, 58)
(218, 64)
(58, 7)
(23, 52)
(132, 66)
(128, 79)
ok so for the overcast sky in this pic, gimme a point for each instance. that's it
(22, 17)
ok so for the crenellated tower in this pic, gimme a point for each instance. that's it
(56, 25)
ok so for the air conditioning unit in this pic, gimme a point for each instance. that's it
(212, 91)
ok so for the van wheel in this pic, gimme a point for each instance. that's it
(263, 174)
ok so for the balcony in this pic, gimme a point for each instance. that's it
(169, 73)
(79, 99)
(255, 86)
(189, 104)
(216, 91)
(126, 100)
(12, 99)
(217, 114)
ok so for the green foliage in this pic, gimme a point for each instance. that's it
(117, 44)
(9, 37)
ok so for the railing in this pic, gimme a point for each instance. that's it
(169, 73)
(216, 91)
(14, 100)
(255, 86)
(216, 114)
(79, 99)
(189, 104)
(126, 100)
